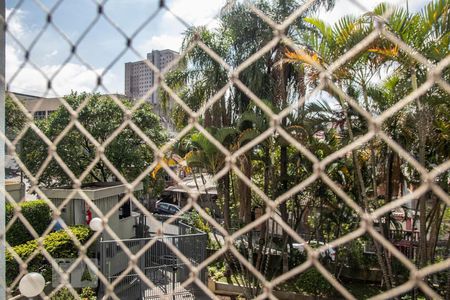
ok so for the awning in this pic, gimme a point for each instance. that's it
(203, 186)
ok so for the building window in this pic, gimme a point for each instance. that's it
(39, 115)
(125, 209)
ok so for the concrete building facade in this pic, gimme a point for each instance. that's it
(41, 107)
(105, 196)
(139, 78)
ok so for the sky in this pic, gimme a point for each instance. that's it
(102, 50)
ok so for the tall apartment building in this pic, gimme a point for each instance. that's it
(139, 78)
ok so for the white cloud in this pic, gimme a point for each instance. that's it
(75, 76)
(196, 12)
(163, 41)
(25, 78)
(352, 7)
(15, 22)
(53, 53)
(193, 12)
(72, 76)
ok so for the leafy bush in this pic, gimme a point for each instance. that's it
(354, 257)
(194, 219)
(63, 294)
(37, 213)
(313, 283)
(57, 244)
(296, 258)
(86, 293)
(216, 272)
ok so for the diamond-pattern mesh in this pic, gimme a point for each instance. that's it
(232, 157)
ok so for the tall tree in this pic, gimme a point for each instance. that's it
(101, 116)
(14, 118)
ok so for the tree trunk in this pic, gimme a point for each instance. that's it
(226, 121)
(263, 239)
(436, 222)
(245, 192)
(423, 243)
(447, 254)
(283, 206)
(208, 118)
(383, 260)
(225, 188)
(387, 198)
(245, 198)
(267, 169)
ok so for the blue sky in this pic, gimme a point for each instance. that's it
(103, 44)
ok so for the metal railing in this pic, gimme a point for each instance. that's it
(159, 264)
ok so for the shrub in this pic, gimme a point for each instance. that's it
(353, 256)
(313, 283)
(296, 258)
(37, 213)
(58, 244)
(216, 272)
(63, 294)
(195, 220)
(86, 293)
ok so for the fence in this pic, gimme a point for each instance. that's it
(324, 63)
(159, 264)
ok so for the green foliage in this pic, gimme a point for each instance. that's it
(440, 280)
(205, 154)
(313, 283)
(194, 219)
(101, 117)
(217, 271)
(296, 258)
(445, 227)
(409, 297)
(37, 213)
(86, 293)
(354, 256)
(63, 294)
(58, 244)
(14, 118)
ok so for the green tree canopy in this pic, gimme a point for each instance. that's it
(15, 118)
(101, 117)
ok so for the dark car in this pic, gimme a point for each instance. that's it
(164, 208)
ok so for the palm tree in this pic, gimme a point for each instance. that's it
(241, 34)
(205, 156)
(199, 77)
(324, 44)
(427, 32)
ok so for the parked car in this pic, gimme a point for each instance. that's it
(329, 252)
(164, 208)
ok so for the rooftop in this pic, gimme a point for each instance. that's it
(94, 191)
(201, 183)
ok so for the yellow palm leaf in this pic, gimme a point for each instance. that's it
(156, 170)
(391, 52)
(303, 56)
